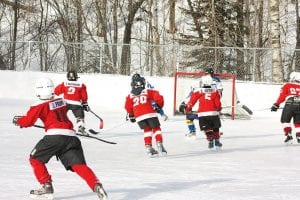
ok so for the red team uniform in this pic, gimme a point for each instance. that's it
(208, 111)
(75, 94)
(139, 106)
(290, 94)
(59, 140)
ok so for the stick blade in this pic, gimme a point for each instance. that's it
(101, 125)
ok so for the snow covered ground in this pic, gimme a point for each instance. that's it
(254, 163)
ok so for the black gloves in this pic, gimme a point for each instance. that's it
(274, 108)
(15, 120)
(182, 107)
(131, 118)
(86, 107)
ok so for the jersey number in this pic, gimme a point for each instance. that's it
(71, 90)
(207, 96)
(139, 100)
(294, 91)
(61, 115)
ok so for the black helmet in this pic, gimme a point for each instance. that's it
(72, 75)
(135, 76)
(138, 85)
(210, 71)
(138, 82)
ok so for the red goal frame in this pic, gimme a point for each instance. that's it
(192, 74)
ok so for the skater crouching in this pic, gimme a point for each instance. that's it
(59, 140)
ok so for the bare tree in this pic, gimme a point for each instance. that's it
(277, 73)
(126, 51)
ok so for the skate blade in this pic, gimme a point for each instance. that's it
(152, 155)
(290, 142)
(44, 196)
(163, 154)
(191, 137)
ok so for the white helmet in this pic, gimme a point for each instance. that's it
(44, 88)
(206, 81)
(295, 77)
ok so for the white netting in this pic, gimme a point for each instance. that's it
(185, 81)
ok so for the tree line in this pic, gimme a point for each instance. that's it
(119, 24)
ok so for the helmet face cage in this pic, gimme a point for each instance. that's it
(206, 81)
(138, 82)
(72, 76)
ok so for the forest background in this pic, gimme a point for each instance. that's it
(254, 39)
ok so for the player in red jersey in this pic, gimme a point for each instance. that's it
(290, 94)
(139, 107)
(59, 140)
(75, 94)
(208, 111)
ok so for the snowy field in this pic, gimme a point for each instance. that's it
(254, 163)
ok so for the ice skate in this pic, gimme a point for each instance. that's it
(298, 138)
(151, 151)
(161, 149)
(218, 144)
(100, 191)
(211, 144)
(45, 192)
(81, 129)
(191, 135)
(289, 139)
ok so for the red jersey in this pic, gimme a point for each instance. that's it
(140, 106)
(209, 101)
(53, 113)
(74, 92)
(288, 90)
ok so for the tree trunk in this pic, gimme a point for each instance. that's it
(172, 16)
(277, 72)
(297, 51)
(126, 50)
(14, 37)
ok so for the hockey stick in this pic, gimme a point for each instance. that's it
(89, 136)
(82, 135)
(101, 120)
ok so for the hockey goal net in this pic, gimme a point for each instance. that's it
(185, 81)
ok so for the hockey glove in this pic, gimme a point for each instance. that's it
(86, 107)
(182, 107)
(131, 118)
(274, 108)
(155, 107)
(15, 120)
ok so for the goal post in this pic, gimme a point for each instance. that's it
(183, 81)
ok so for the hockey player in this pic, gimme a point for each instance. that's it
(59, 140)
(208, 111)
(290, 94)
(190, 117)
(75, 94)
(139, 107)
(159, 110)
(216, 80)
